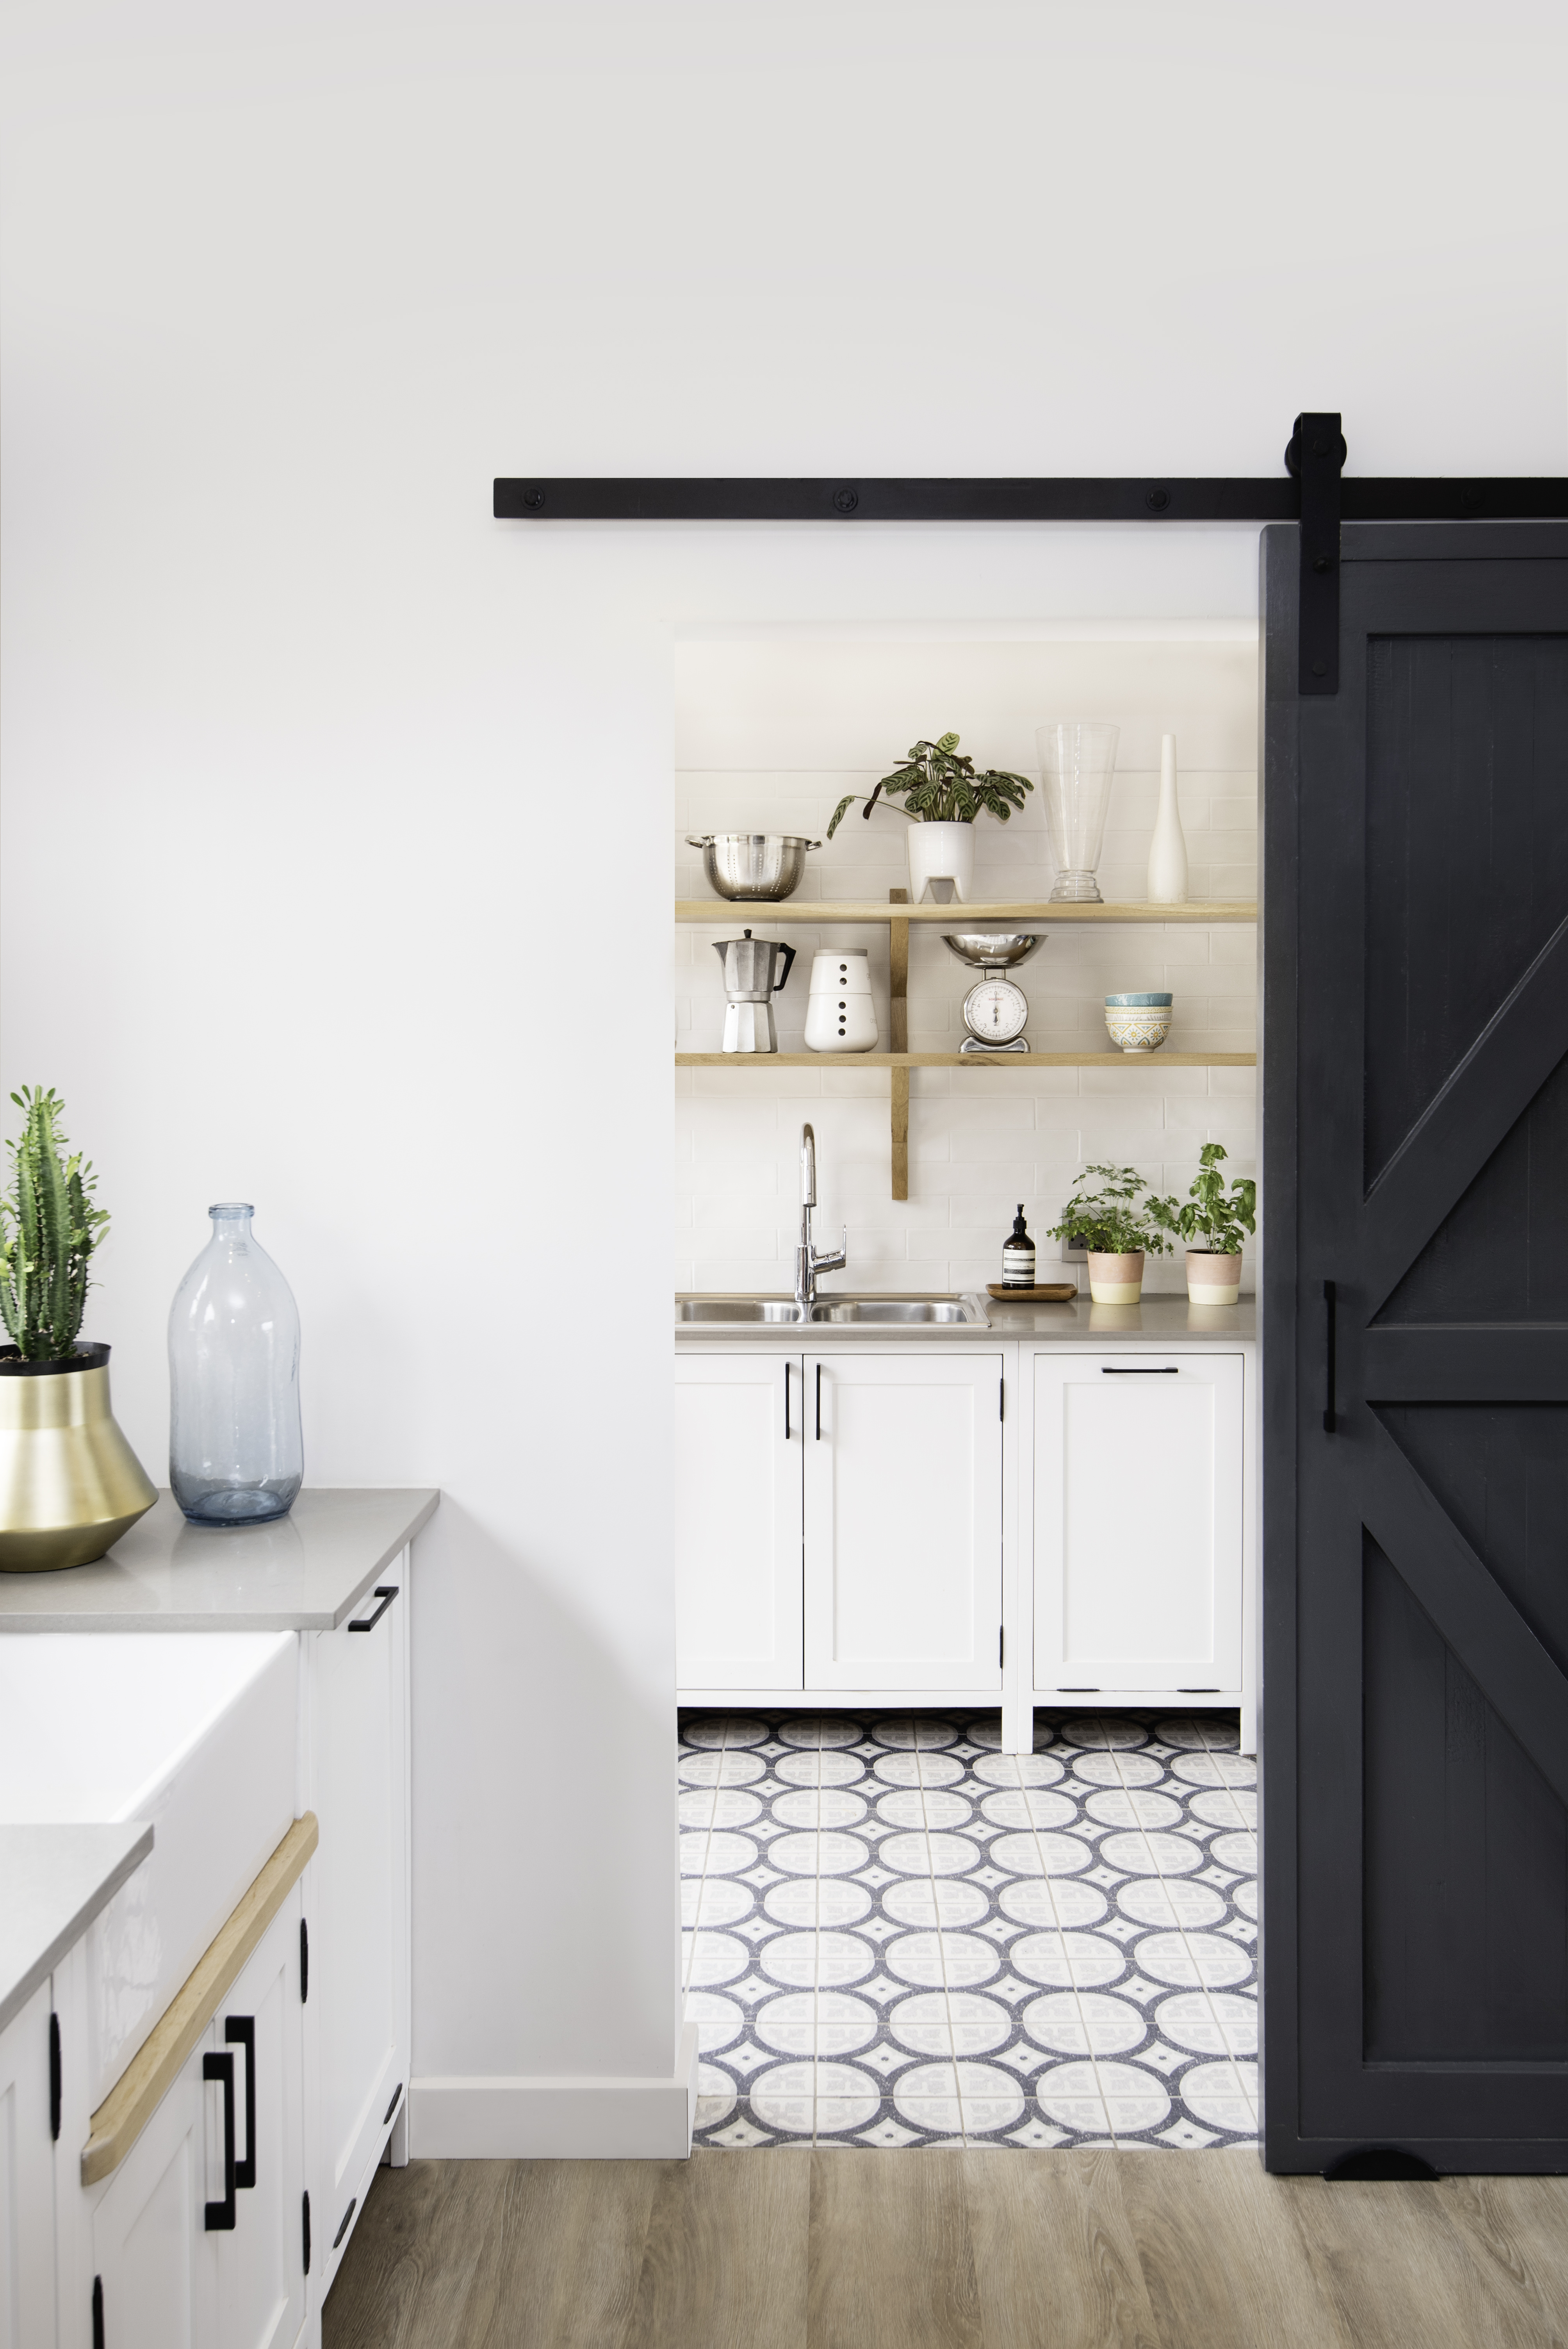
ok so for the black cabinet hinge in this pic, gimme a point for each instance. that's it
(56, 2075)
(1317, 456)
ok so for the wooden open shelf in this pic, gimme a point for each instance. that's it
(866, 909)
(898, 914)
(964, 1060)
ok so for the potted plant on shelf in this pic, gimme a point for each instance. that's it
(1214, 1222)
(942, 795)
(1117, 1231)
(70, 1485)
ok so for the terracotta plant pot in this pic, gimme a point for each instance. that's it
(1212, 1279)
(1116, 1280)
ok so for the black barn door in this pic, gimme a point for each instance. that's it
(1416, 1413)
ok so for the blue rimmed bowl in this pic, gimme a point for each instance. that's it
(1138, 1023)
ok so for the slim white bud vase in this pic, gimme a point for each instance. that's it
(1168, 850)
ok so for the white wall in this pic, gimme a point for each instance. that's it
(770, 732)
(314, 777)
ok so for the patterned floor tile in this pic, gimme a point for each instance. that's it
(897, 1935)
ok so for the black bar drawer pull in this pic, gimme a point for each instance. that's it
(55, 2074)
(387, 1592)
(1330, 1306)
(786, 1402)
(240, 2031)
(1140, 1370)
(343, 2226)
(98, 2313)
(393, 2106)
(818, 1402)
(220, 2216)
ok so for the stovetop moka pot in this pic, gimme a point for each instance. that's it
(754, 971)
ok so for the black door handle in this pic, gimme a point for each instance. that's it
(786, 1402)
(387, 1592)
(221, 2215)
(818, 1402)
(240, 2031)
(1140, 1370)
(1330, 1301)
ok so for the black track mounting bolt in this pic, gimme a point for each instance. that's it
(1156, 501)
(534, 500)
(846, 501)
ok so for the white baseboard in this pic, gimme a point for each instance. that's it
(473, 2117)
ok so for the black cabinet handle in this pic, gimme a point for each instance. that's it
(342, 2228)
(305, 2228)
(56, 2076)
(1330, 1302)
(786, 1402)
(98, 2313)
(240, 2031)
(818, 1402)
(393, 2106)
(1139, 1371)
(303, 1962)
(387, 1592)
(220, 2216)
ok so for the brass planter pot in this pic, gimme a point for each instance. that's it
(70, 1485)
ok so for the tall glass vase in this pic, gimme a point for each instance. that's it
(236, 1454)
(1075, 767)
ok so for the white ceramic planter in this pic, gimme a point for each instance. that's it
(1116, 1280)
(941, 852)
(1212, 1279)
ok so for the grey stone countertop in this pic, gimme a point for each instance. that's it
(1167, 1320)
(304, 1572)
(53, 1882)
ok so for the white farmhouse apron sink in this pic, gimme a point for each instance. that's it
(198, 1734)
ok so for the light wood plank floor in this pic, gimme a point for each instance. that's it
(946, 2250)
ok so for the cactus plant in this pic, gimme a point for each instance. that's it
(48, 1230)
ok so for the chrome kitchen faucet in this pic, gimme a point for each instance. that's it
(809, 1263)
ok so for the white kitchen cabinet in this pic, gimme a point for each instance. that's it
(26, 2179)
(358, 1908)
(738, 1504)
(261, 2264)
(154, 2261)
(1138, 1523)
(904, 1521)
(180, 2260)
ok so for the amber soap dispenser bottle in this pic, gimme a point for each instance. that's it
(1018, 1255)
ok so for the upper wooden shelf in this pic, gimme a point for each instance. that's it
(867, 910)
(1025, 1061)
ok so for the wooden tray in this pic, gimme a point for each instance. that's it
(1053, 1292)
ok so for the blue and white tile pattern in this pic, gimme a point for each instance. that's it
(897, 1935)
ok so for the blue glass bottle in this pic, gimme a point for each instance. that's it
(236, 1454)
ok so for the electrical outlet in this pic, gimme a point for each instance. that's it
(1075, 1248)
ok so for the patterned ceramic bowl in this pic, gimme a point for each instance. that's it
(1138, 1023)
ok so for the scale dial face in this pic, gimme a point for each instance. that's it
(996, 1011)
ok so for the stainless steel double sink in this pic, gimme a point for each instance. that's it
(896, 1311)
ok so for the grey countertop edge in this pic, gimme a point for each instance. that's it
(416, 1524)
(84, 1616)
(135, 1841)
(1035, 1325)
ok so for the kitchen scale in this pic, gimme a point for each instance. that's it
(994, 1009)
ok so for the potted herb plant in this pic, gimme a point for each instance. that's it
(941, 796)
(1117, 1230)
(70, 1485)
(1214, 1222)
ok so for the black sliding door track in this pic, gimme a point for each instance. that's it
(1160, 498)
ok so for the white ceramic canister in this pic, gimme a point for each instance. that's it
(840, 1014)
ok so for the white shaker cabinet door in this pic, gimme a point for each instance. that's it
(155, 2261)
(261, 2264)
(1138, 1522)
(738, 1521)
(904, 1521)
(26, 2179)
(357, 1906)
